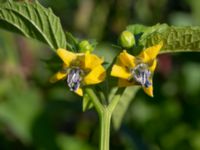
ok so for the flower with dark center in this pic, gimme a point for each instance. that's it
(142, 75)
(80, 69)
(137, 70)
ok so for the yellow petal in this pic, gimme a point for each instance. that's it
(66, 56)
(153, 65)
(91, 60)
(127, 59)
(120, 72)
(125, 83)
(58, 76)
(96, 75)
(79, 91)
(151, 52)
(149, 90)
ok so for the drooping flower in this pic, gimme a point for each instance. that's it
(137, 70)
(79, 69)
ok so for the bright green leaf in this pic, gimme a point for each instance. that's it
(33, 21)
(176, 39)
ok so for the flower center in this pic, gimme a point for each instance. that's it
(141, 74)
(74, 78)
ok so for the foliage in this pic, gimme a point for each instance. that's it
(33, 21)
(176, 39)
(46, 116)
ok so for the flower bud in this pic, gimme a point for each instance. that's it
(127, 39)
(85, 46)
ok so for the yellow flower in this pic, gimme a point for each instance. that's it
(79, 69)
(137, 70)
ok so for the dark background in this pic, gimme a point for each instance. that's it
(35, 114)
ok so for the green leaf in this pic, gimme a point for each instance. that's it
(175, 38)
(121, 108)
(33, 21)
(136, 28)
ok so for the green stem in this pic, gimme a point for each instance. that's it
(105, 129)
(105, 117)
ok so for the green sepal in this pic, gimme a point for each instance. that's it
(72, 42)
(87, 103)
(85, 46)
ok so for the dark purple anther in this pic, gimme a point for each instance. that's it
(141, 74)
(74, 79)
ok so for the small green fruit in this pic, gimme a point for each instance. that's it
(127, 39)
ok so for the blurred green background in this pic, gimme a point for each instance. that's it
(37, 115)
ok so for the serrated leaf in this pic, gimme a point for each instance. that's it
(176, 39)
(124, 102)
(33, 21)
